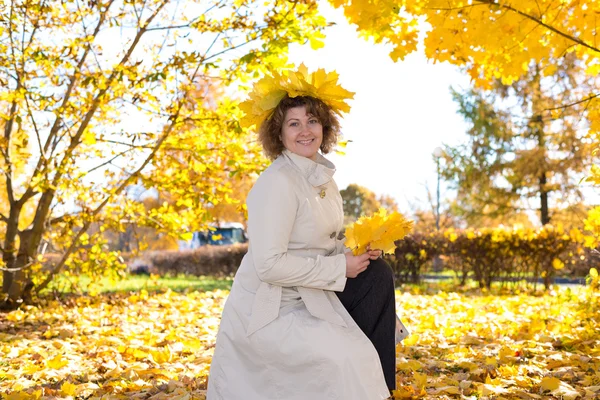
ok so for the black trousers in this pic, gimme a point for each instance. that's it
(369, 298)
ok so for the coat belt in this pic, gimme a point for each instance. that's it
(268, 301)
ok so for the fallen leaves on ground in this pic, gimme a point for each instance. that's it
(158, 346)
(136, 346)
(499, 347)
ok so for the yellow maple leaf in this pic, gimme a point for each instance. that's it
(57, 362)
(420, 379)
(404, 392)
(446, 390)
(410, 365)
(68, 388)
(161, 356)
(550, 383)
(491, 361)
(558, 264)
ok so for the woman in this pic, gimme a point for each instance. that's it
(304, 319)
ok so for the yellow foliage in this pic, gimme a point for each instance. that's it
(558, 264)
(269, 91)
(379, 231)
(592, 226)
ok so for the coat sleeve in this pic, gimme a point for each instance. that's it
(272, 208)
(340, 248)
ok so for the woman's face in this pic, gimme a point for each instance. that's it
(301, 133)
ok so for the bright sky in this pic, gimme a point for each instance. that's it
(401, 112)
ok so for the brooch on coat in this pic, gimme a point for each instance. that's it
(322, 193)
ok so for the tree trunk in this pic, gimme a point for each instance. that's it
(544, 216)
(21, 286)
(538, 126)
(9, 256)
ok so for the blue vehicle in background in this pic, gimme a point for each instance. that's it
(225, 233)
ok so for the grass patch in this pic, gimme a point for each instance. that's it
(135, 283)
(65, 284)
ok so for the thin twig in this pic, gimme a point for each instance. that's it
(573, 104)
(107, 162)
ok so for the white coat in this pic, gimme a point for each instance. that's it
(284, 334)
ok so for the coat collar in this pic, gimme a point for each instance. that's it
(317, 172)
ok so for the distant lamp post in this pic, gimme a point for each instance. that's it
(438, 152)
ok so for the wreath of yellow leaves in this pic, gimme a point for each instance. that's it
(379, 231)
(269, 91)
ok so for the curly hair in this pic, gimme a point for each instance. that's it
(270, 130)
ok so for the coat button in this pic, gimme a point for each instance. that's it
(332, 235)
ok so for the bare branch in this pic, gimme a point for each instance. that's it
(60, 219)
(31, 37)
(453, 8)
(35, 128)
(589, 98)
(14, 269)
(107, 162)
(211, 45)
(85, 30)
(189, 24)
(131, 145)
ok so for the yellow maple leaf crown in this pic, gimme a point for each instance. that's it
(270, 90)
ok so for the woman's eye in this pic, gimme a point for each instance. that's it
(313, 121)
(293, 124)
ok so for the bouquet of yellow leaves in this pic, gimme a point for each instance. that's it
(378, 231)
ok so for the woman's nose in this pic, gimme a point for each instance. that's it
(304, 128)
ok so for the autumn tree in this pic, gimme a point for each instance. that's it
(358, 201)
(92, 96)
(388, 202)
(517, 158)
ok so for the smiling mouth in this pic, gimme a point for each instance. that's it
(305, 142)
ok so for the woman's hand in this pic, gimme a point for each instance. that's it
(374, 254)
(356, 264)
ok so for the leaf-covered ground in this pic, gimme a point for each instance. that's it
(158, 346)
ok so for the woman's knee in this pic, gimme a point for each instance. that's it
(381, 270)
